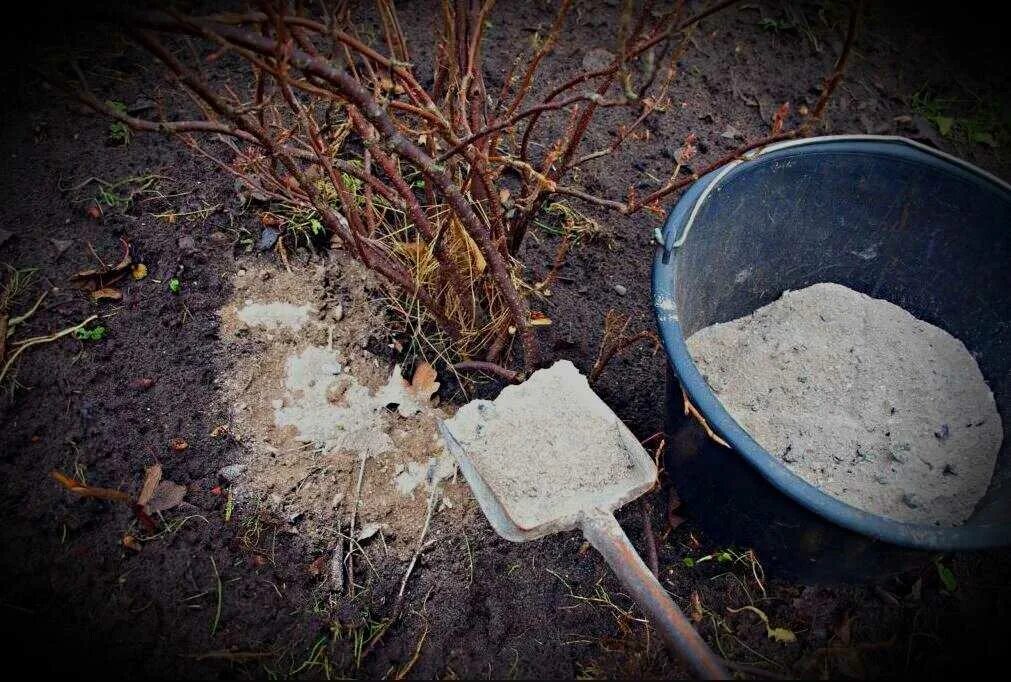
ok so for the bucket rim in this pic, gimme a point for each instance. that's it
(675, 231)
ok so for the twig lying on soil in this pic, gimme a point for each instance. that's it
(351, 530)
(398, 605)
(14, 321)
(82, 490)
(509, 375)
(404, 671)
(614, 341)
(652, 559)
(34, 341)
(691, 410)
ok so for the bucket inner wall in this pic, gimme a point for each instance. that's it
(913, 229)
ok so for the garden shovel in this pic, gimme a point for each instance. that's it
(540, 492)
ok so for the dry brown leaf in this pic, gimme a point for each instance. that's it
(178, 444)
(424, 384)
(100, 278)
(696, 610)
(152, 477)
(477, 260)
(107, 293)
(130, 542)
(166, 496)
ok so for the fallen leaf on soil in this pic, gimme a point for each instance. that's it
(152, 477)
(143, 383)
(538, 319)
(696, 607)
(166, 496)
(100, 278)
(781, 635)
(130, 542)
(94, 211)
(779, 118)
(219, 430)
(316, 567)
(139, 271)
(106, 294)
(61, 245)
(178, 444)
(424, 385)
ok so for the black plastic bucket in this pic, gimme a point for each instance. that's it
(884, 216)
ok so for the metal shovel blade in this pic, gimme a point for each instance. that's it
(558, 514)
(577, 464)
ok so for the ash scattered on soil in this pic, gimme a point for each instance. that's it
(881, 410)
(308, 402)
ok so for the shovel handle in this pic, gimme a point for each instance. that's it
(606, 535)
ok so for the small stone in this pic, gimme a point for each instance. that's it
(338, 313)
(187, 244)
(911, 500)
(367, 531)
(597, 58)
(731, 133)
(61, 245)
(231, 473)
(942, 433)
(267, 239)
(622, 290)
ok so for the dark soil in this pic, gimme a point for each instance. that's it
(197, 604)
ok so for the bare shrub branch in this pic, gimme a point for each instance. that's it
(412, 180)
